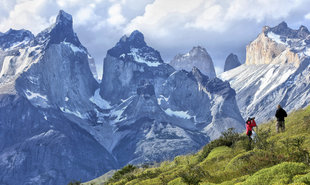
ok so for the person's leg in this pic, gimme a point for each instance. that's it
(250, 141)
(277, 126)
(283, 126)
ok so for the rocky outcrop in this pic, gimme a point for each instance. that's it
(197, 57)
(231, 62)
(279, 45)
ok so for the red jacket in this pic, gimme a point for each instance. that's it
(249, 126)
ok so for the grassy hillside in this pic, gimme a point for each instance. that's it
(270, 159)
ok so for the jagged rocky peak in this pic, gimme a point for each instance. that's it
(197, 56)
(61, 31)
(13, 38)
(64, 18)
(136, 39)
(61, 73)
(130, 63)
(231, 62)
(283, 30)
(134, 48)
(279, 44)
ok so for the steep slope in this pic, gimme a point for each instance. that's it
(276, 72)
(45, 86)
(156, 112)
(196, 57)
(271, 159)
(231, 62)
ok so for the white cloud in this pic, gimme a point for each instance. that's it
(209, 15)
(162, 15)
(115, 15)
(307, 16)
(26, 14)
(85, 15)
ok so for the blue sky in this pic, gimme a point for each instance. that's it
(170, 26)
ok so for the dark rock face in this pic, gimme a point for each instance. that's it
(14, 38)
(61, 31)
(284, 30)
(231, 62)
(40, 146)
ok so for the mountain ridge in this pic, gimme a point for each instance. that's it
(275, 73)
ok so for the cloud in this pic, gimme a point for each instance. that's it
(115, 15)
(210, 15)
(85, 15)
(307, 16)
(27, 14)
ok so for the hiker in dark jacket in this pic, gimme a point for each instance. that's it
(280, 115)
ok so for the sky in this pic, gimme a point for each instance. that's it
(169, 26)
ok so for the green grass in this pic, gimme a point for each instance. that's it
(271, 158)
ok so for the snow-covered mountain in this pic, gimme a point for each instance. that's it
(276, 72)
(158, 112)
(231, 62)
(58, 124)
(196, 57)
(45, 86)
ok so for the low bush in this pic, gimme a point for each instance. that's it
(279, 174)
(228, 138)
(124, 173)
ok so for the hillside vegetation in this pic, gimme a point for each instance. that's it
(271, 158)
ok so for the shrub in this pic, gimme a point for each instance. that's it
(177, 181)
(251, 161)
(302, 178)
(261, 140)
(123, 173)
(293, 148)
(228, 138)
(149, 174)
(74, 183)
(280, 174)
(193, 175)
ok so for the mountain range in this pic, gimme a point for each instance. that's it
(58, 123)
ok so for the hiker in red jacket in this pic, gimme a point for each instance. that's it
(250, 123)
